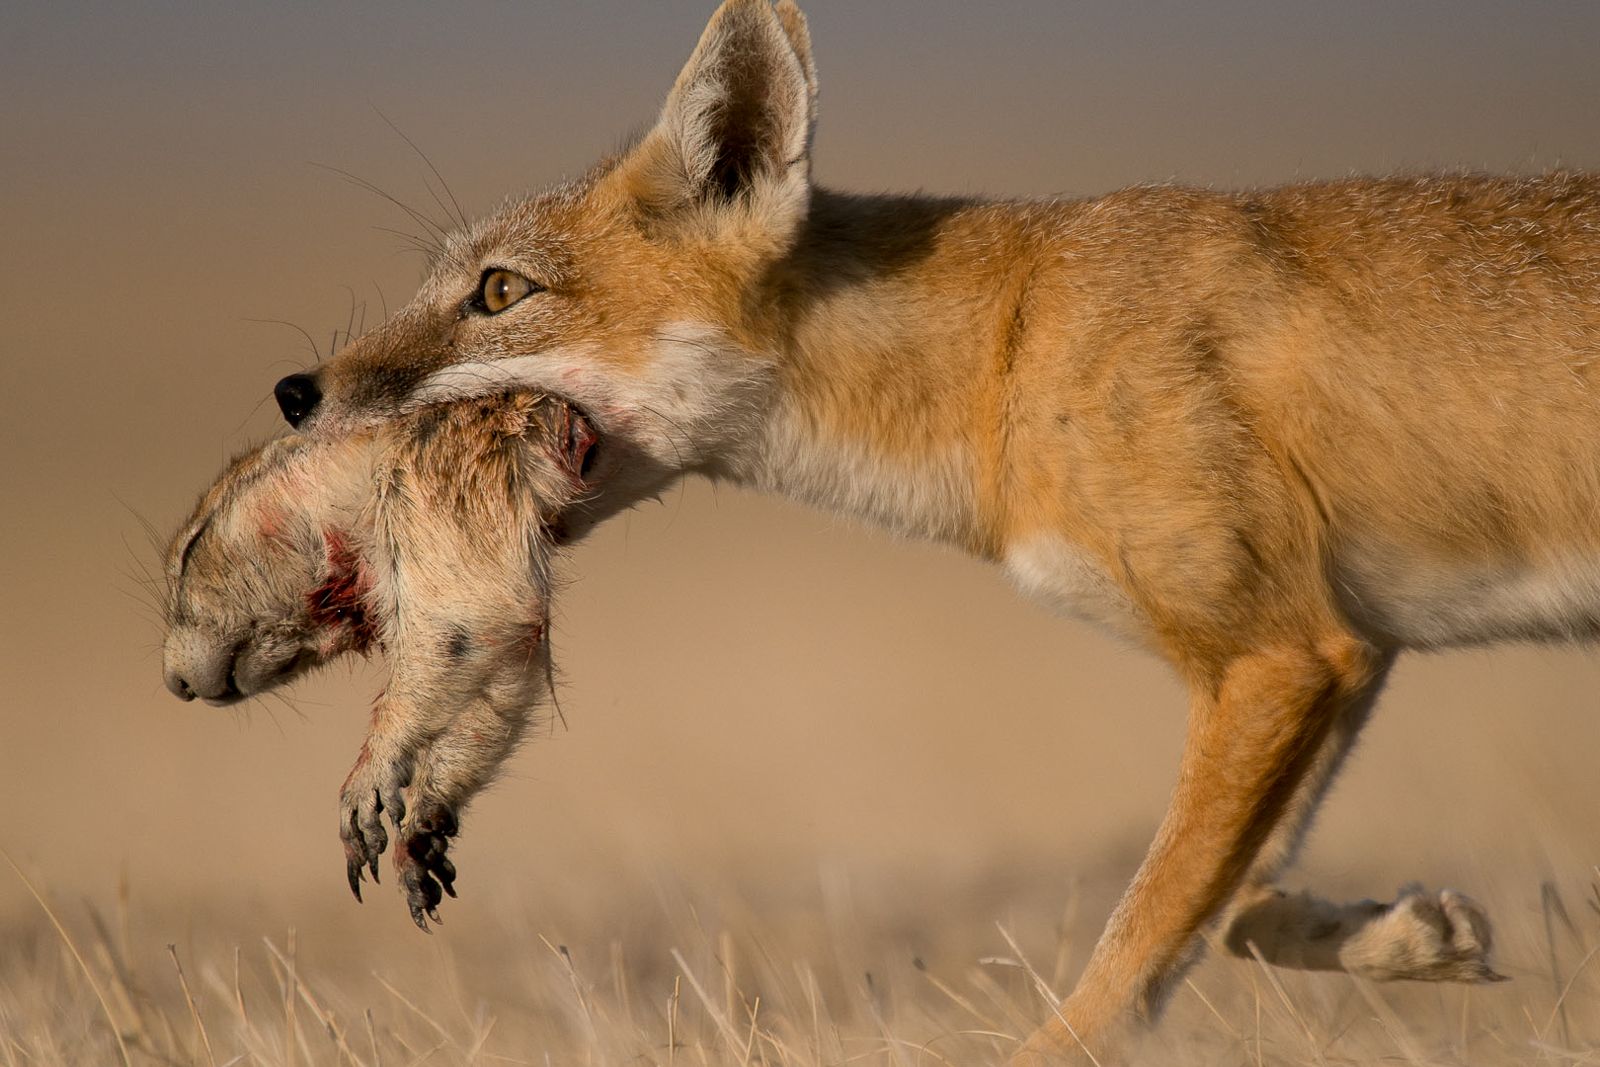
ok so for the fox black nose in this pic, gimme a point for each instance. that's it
(298, 397)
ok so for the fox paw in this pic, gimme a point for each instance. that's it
(375, 786)
(426, 873)
(1422, 936)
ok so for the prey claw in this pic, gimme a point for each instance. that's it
(370, 792)
(395, 805)
(426, 874)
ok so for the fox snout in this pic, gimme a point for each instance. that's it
(376, 376)
(298, 396)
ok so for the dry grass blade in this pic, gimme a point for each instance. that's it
(118, 977)
(325, 1016)
(1212, 1008)
(731, 1000)
(372, 1038)
(808, 979)
(1045, 991)
(194, 1009)
(1294, 1013)
(1578, 1059)
(1561, 999)
(238, 994)
(750, 1039)
(723, 1025)
(922, 1048)
(426, 1054)
(955, 998)
(672, 1020)
(475, 1050)
(7, 1045)
(418, 1012)
(561, 953)
(290, 988)
(619, 978)
(890, 1042)
(1554, 908)
(1019, 1020)
(1391, 1022)
(72, 947)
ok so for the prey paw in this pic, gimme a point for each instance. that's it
(374, 787)
(426, 873)
(1426, 937)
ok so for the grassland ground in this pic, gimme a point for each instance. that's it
(847, 966)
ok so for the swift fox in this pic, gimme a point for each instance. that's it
(1276, 436)
(430, 539)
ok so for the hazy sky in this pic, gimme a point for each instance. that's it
(1004, 97)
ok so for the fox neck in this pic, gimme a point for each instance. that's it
(894, 325)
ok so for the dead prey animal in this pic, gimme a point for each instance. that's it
(429, 540)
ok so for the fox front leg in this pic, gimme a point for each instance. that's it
(1253, 740)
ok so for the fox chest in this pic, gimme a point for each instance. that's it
(1067, 579)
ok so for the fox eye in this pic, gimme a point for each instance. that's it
(502, 288)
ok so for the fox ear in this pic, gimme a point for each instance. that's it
(793, 21)
(736, 128)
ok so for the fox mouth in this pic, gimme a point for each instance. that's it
(578, 451)
(580, 443)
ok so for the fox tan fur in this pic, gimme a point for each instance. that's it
(1277, 437)
(430, 538)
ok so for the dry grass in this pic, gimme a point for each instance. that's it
(895, 971)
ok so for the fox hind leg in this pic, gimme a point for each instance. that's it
(1424, 936)
(1420, 936)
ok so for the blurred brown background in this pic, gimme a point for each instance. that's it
(747, 686)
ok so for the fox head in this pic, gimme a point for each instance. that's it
(643, 292)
